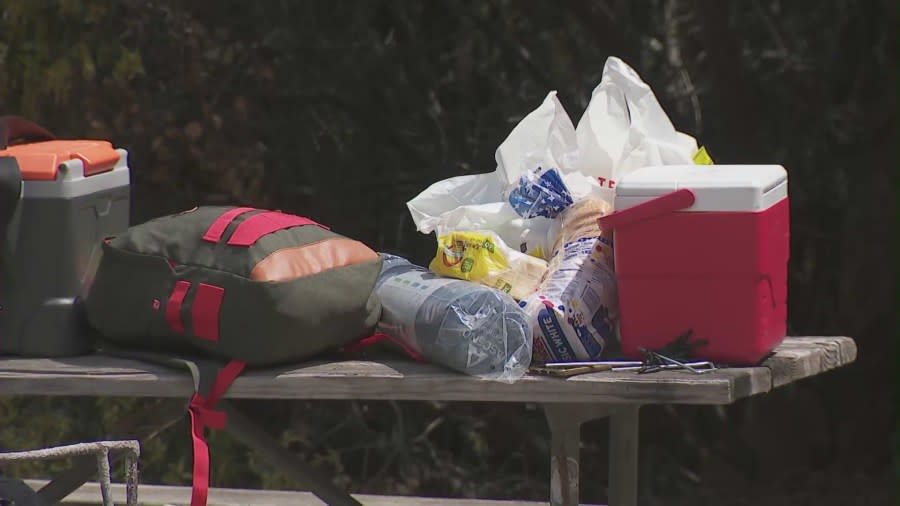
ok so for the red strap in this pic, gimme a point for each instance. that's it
(173, 306)
(215, 231)
(380, 337)
(224, 379)
(256, 226)
(205, 311)
(200, 489)
(202, 416)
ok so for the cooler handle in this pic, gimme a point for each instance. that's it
(15, 127)
(670, 202)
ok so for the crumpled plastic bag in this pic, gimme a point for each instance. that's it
(623, 128)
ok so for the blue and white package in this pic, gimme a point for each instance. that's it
(540, 192)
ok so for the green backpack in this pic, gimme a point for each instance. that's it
(218, 288)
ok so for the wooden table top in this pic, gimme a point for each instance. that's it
(397, 379)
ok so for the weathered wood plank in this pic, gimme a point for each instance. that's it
(802, 357)
(372, 380)
(161, 494)
(97, 375)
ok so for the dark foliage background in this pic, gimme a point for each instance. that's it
(345, 110)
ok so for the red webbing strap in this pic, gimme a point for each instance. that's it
(215, 231)
(203, 415)
(380, 337)
(205, 311)
(173, 306)
(258, 225)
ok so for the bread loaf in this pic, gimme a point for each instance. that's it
(579, 221)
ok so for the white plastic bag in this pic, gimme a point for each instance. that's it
(545, 137)
(624, 128)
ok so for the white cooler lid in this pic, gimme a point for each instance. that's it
(715, 187)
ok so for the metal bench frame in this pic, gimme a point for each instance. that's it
(100, 450)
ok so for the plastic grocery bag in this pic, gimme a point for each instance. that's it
(545, 137)
(482, 257)
(624, 128)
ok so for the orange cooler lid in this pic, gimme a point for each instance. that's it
(40, 161)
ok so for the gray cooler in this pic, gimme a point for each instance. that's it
(58, 200)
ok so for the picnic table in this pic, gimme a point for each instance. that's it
(567, 403)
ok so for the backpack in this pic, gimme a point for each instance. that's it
(220, 288)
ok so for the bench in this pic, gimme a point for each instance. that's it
(162, 495)
(567, 403)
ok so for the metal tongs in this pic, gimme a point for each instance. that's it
(662, 362)
(572, 368)
(657, 360)
(654, 361)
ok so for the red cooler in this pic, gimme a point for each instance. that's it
(702, 248)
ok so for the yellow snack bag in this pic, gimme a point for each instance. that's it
(468, 255)
(484, 258)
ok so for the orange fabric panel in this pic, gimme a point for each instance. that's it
(292, 263)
